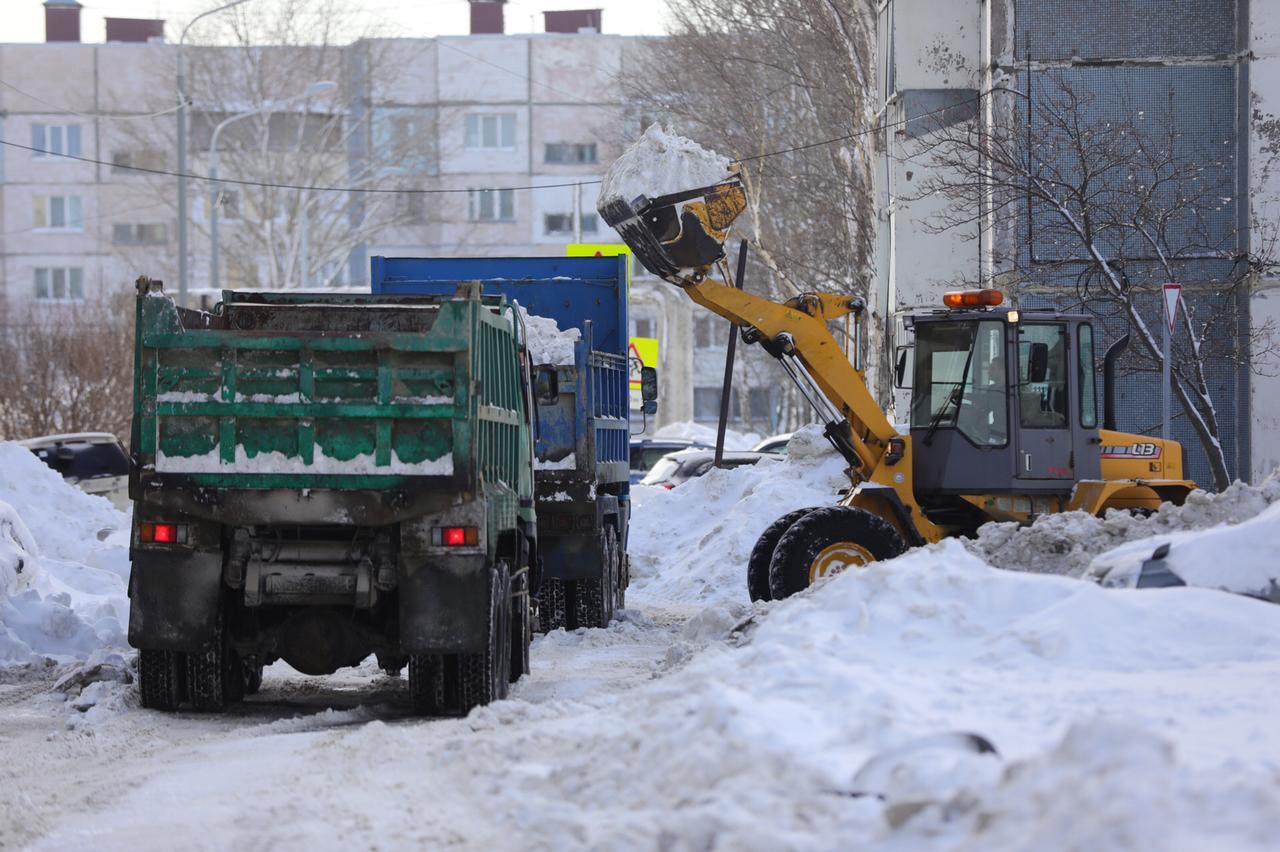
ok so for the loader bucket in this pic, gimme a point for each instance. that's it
(678, 234)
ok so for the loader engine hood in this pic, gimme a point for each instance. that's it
(672, 202)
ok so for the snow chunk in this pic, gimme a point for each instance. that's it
(547, 344)
(1067, 542)
(660, 163)
(278, 462)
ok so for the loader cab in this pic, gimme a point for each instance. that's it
(1002, 401)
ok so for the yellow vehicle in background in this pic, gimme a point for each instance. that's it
(1003, 415)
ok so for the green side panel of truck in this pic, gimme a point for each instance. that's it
(342, 392)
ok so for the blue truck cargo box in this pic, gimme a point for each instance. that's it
(582, 475)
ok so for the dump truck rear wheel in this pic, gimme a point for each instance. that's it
(827, 541)
(252, 676)
(521, 624)
(762, 555)
(592, 601)
(215, 672)
(553, 605)
(485, 676)
(161, 677)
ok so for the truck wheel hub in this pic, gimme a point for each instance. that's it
(834, 558)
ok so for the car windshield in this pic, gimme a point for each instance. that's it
(86, 461)
(662, 471)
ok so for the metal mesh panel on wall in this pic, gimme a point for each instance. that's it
(1124, 29)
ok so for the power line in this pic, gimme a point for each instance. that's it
(312, 188)
(527, 187)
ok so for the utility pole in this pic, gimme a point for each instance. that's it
(1172, 293)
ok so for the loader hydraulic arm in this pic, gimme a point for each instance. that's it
(798, 328)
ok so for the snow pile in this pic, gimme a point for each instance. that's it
(546, 342)
(660, 163)
(706, 435)
(1240, 558)
(1066, 543)
(69, 598)
(691, 544)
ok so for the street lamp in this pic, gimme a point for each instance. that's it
(312, 91)
(182, 148)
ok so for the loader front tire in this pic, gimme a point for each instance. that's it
(762, 555)
(827, 541)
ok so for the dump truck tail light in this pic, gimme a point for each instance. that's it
(455, 536)
(972, 298)
(164, 533)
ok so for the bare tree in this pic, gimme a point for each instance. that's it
(281, 224)
(749, 79)
(1103, 205)
(68, 371)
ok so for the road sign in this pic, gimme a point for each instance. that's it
(1172, 295)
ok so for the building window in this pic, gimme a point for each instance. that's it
(54, 139)
(759, 404)
(491, 130)
(411, 208)
(705, 335)
(140, 235)
(124, 162)
(491, 205)
(706, 404)
(59, 284)
(642, 327)
(562, 223)
(61, 212)
(567, 153)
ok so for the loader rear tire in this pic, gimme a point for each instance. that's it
(161, 679)
(762, 555)
(827, 541)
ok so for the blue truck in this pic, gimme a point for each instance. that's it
(582, 425)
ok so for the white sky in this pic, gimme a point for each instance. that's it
(24, 19)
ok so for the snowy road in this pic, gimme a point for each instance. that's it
(283, 767)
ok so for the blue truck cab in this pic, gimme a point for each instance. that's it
(582, 428)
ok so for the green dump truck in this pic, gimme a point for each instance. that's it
(321, 477)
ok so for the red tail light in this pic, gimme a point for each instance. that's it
(455, 536)
(668, 485)
(164, 533)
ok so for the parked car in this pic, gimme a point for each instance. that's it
(95, 461)
(647, 452)
(676, 468)
(777, 445)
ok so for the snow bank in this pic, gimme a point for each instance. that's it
(707, 435)
(1240, 558)
(69, 599)
(1066, 543)
(691, 544)
(547, 343)
(660, 163)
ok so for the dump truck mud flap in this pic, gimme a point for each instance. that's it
(173, 599)
(444, 604)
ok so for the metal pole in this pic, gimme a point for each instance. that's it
(1164, 372)
(577, 212)
(727, 387)
(306, 241)
(214, 276)
(182, 177)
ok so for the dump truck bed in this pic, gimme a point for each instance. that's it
(346, 392)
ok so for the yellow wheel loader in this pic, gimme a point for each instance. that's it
(1003, 418)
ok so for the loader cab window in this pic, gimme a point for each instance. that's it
(960, 380)
(1042, 375)
(1088, 384)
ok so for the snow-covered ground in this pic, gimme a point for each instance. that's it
(934, 701)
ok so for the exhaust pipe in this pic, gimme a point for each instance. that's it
(1109, 381)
